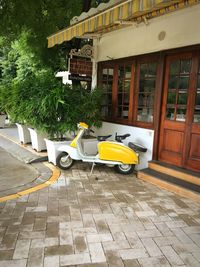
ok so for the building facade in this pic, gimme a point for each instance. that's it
(147, 62)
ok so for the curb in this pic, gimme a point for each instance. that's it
(53, 178)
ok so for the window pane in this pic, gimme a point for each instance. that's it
(107, 83)
(197, 115)
(141, 85)
(198, 82)
(127, 86)
(143, 70)
(119, 99)
(152, 68)
(150, 100)
(125, 112)
(170, 114)
(183, 83)
(185, 66)
(124, 80)
(182, 98)
(147, 85)
(126, 99)
(128, 72)
(197, 103)
(175, 67)
(141, 100)
(121, 72)
(198, 97)
(178, 89)
(145, 114)
(171, 99)
(180, 115)
(119, 111)
(120, 86)
(105, 71)
(173, 82)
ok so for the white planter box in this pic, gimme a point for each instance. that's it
(37, 140)
(24, 134)
(52, 147)
(2, 121)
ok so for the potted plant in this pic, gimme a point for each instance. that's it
(37, 139)
(63, 108)
(16, 106)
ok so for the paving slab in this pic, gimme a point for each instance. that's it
(14, 173)
(99, 220)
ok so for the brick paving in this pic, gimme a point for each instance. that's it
(100, 220)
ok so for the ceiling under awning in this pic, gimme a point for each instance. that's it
(115, 17)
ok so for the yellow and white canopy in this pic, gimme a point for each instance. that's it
(117, 16)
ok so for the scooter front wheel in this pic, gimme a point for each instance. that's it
(125, 168)
(64, 161)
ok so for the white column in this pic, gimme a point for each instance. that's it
(94, 62)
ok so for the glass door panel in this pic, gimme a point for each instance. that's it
(178, 85)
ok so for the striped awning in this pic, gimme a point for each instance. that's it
(118, 16)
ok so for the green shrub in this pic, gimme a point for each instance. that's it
(43, 102)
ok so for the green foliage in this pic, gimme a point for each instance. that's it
(18, 60)
(83, 105)
(49, 106)
(42, 18)
(29, 92)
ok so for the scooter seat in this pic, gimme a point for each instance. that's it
(103, 137)
(119, 138)
(137, 147)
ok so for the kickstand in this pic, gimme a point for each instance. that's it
(93, 164)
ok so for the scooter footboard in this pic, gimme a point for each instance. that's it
(71, 151)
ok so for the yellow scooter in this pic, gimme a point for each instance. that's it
(113, 154)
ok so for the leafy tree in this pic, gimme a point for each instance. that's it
(42, 18)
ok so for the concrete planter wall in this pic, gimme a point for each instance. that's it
(37, 140)
(24, 134)
(2, 121)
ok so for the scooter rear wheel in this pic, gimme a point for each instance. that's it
(64, 161)
(125, 168)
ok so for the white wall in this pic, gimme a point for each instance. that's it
(138, 135)
(181, 28)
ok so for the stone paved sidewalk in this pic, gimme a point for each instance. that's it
(101, 220)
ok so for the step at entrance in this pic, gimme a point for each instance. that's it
(172, 178)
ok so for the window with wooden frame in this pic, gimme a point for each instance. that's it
(107, 85)
(196, 117)
(132, 98)
(145, 91)
(178, 86)
(123, 91)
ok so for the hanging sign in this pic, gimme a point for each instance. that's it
(80, 78)
(80, 66)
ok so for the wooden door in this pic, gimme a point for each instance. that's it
(180, 120)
